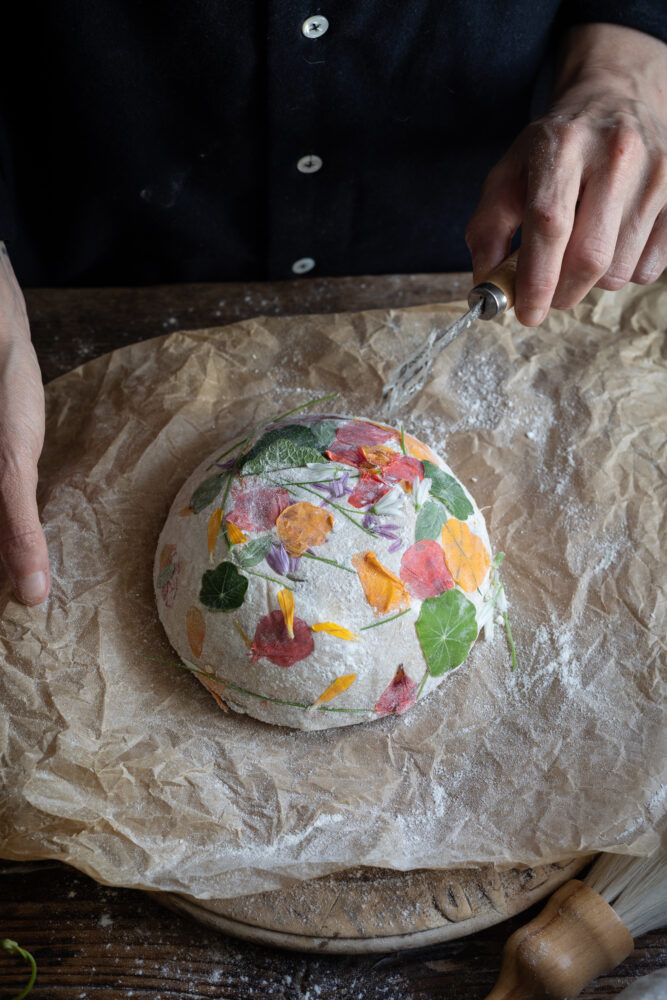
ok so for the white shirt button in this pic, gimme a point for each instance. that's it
(309, 164)
(303, 265)
(315, 26)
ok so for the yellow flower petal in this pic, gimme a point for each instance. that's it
(236, 536)
(337, 630)
(241, 633)
(419, 450)
(337, 687)
(214, 522)
(286, 602)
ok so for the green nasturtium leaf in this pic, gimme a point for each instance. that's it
(280, 454)
(296, 433)
(446, 489)
(324, 432)
(166, 575)
(430, 520)
(253, 552)
(446, 628)
(223, 588)
(207, 491)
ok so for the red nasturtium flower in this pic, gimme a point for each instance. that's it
(398, 697)
(273, 642)
(403, 467)
(424, 571)
(257, 508)
(368, 490)
(359, 432)
(346, 454)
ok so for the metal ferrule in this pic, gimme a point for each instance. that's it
(493, 299)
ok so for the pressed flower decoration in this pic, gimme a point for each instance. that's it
(337, 551)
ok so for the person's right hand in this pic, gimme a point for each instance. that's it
(22, 543)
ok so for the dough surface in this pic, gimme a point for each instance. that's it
(330, 572)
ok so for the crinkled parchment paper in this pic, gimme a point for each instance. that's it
(125, 768)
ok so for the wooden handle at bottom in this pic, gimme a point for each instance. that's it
(575, 938)
(504, 277)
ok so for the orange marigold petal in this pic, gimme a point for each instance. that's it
(419, 450)
(214, 522)
(236, 536)
(286, 602)
(379, 454)
(335, 688)
(466, 555)
(383, 589)
(302, 525)
(196, 627)
(339, 631)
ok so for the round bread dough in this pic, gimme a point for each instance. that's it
(329, 572)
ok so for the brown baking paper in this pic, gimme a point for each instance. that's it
(124, 766)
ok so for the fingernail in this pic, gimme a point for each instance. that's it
(32, 589)
(532, 317)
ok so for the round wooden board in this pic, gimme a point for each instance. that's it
(376, 910)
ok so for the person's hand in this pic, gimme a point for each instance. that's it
(587, 182)
(22, 544)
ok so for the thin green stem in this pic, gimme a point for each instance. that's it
(238, 444)
(384, 620)
(252, 694)
(423, 681)
(331, 562)
(304, 406)
(263, 577)
(403, 440)
(510, 639)
(15, 949)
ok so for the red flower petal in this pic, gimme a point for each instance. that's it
(367, 491)
(424, 571)
(398, 697)
(257, 509)
(403, 467)
(346, 454)
(272, 641)
(360, 432)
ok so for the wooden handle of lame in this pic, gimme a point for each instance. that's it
(504, 277)
(575, 938)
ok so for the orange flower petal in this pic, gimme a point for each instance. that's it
(419, 450)
(465, 555)
(186, 511)
(236, 536)
(167, 555)
(196, 630)
(383, 589)
(214, 522)
(335, 688)
(336, 630)
(286, 602)
(302, 525)
(379, 455)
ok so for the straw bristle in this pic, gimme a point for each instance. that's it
(635, 887)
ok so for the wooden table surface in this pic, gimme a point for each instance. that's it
(93, 942)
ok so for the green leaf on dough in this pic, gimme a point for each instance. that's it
(223, 588)
(253, 552)
(446, 629)
(446, 489)
(430, 520)
(207, 491)
(296, 433)
(165, 575)
(280, 454)
(324, 432)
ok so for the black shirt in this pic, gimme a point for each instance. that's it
(145, 142)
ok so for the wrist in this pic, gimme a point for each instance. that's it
(613, 59)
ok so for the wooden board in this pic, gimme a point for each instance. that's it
(375, 910)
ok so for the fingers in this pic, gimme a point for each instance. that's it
(22, 543)
(653, 260)
(497, 217)
(555, 164)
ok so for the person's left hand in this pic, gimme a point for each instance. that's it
(587, 182)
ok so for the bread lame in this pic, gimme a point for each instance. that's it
(488, 299)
